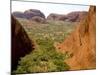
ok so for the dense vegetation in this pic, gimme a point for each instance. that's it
(45, 58)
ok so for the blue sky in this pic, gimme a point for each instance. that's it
(47, 8)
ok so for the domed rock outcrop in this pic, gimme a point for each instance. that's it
(31, 14)
(71, 17)
(38, 19)
(19, 14)
(76, 16)
(54, 16)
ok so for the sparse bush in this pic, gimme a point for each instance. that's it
(45, 58)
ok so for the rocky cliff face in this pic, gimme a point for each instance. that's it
(20, 44)
(72, 17)
(81, 44)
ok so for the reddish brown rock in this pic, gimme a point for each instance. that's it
(81, 44)
(54, 16)
(34, 12)
(19, 14)
(76, 16)
(20, 42)
(38, 19)
(72, 17)
(31, 14)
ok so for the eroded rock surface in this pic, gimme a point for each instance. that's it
(20, 42)
(81, 44)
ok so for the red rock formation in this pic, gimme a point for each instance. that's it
(20, 42)
(76, 16)
(19, 14)
(34, 12)
(72, 17)
(81, 44)
(38, 19)
(31, 14)
(54, 16)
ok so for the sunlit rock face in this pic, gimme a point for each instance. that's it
(81, 44)
(20, 42)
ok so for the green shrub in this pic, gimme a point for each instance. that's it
(45, 58)
(42, 59)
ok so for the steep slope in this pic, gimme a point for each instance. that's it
(81, 44)
(20, 44)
